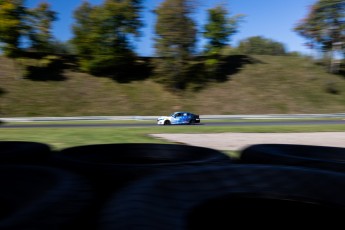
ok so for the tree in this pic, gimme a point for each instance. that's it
(82, 30)
(261, 46)
(102, 34)
(174, 42)
(219, 29)
(40, 21)
(324, 26)
(12, 13)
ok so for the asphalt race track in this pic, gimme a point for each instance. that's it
(244, 123)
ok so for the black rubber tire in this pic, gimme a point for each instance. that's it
(226, 196)
(125, 163)
(167, 123)
(41, 198)
(111, 167)
(25, 152)
(322, 157)
(131, 161)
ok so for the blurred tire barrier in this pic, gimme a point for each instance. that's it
(128, 162)
(41, 198)
(221, 197)
(111, 167)
(169, 186)
(24, 152)
(322, 157)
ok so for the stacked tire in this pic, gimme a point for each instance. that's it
(309, 156)
(24, 152)
(222, 197)
(260, 189)
(169, 186)
(112, 167)
(33, 194)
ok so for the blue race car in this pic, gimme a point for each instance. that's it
(179, 118)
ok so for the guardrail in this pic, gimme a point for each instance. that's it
(109, 118)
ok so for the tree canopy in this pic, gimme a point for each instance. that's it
(219, 28)
(19, 23)
(102, 34)
(174, 42)
(262, 46)
(324, 26)
(39, 21)
(12, 13)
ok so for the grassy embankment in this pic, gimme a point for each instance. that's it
(265, 84)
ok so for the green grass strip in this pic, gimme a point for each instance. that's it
(60, 138)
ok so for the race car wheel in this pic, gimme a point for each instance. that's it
(167, 123)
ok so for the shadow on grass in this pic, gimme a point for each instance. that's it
(2, 91)
(201, 74)
(52, 70)
(141, 68)
(342, 71)
(231, 65)
(138, 69)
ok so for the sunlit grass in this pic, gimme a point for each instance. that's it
(60, 138)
